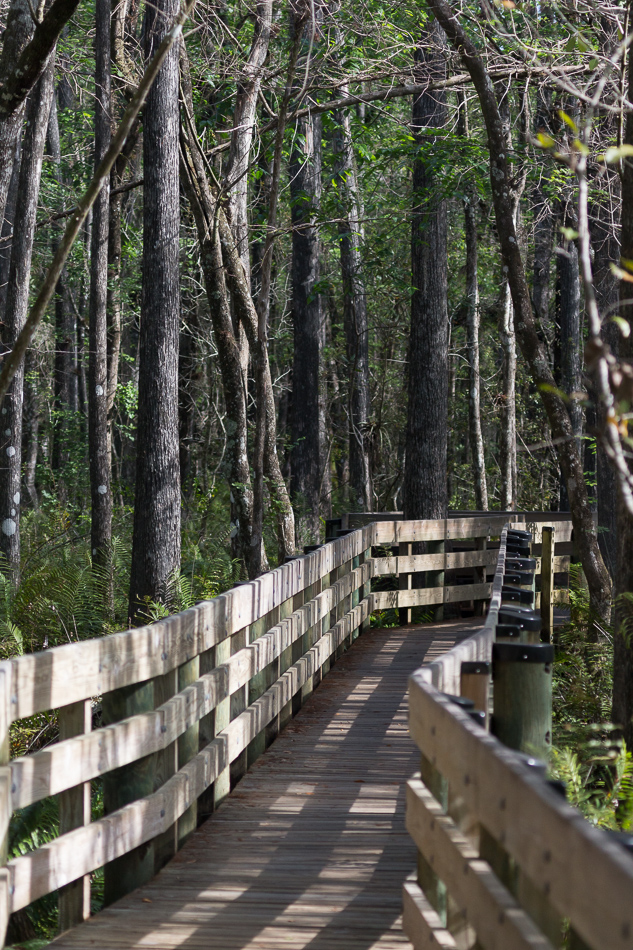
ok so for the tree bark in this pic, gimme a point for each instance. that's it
(98, 442)
(156, 539)
(425, 486)
(307, 316)
(568, 306)
(204, 206)
(606, 249)
(531, 345)
(508, 414)
(17, 304)
(354, 313)
(18, 32)
(622, 709)
(64, 372)
(243, 129)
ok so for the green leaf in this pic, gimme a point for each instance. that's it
(615, 154)
(567, 120)
(623, 325)
(546, 141)
(568, 233)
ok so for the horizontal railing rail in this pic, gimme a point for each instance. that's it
(189, 702)
(503, 860)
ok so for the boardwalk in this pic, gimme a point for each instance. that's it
(310, 850)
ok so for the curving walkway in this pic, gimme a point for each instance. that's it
(310, 849)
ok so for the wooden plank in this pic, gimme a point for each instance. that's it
(74, 812)
(82, 851)
(497, 918)
(390, 599)
(421, 923)
(77, 671)
(423, 562)
(587, 877)
(393, 532)
(310, 849)
(68, 764)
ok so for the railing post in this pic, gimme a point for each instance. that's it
(74, 812)
(433, 887)
(404, 582)
(547, 585)
(436, 578)
(188, 744)
(126, 785)
(522, 678)
(475, 684)
(481, 544)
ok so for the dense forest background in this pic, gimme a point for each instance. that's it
(295, 293)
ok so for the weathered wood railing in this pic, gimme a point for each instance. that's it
(503, 861)
(188, 703)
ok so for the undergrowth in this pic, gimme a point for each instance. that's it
(587, 754)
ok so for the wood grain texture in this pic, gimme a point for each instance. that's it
(310, 849)
(67, 764)
(586, 876)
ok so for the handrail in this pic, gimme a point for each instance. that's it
(503, 859)
(228, 674)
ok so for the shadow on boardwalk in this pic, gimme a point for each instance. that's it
(310, 850)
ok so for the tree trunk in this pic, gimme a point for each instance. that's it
(531, 345)
(568, 279)
(7, 229)
(98, 443)
(507, 336)
(606, 248)
(17, 304)
(425, 487)
(354, 311)
(64, 373)
(307, 316)
(203, 205)
(17, 33)
(31, 426)
(156, 539)
(474, 378)
(622, 714)
(243, 129)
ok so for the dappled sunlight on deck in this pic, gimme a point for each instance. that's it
(310, 849)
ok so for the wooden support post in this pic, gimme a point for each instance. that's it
(404, 583)
(208, 728)
(522, 678)
(285, 662)
(433, 887)
(547, 585)
(237, 703)
(481, 577)
(165, 844)
(74, 812)
(436, 578)
(366, 590)
(475, 685)
(297, 650)
(188, 744)
(125, 785)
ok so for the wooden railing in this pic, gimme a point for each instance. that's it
(165, 718)
(503, 861)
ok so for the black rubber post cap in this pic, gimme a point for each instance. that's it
(478, 716)
(517, 577)
(508, 631)
(470, 667)
(462, 701)
(522, 653)
(516, 595)
(521, 616)
(520, 563)
(518, 533)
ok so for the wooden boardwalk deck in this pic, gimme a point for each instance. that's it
(310, 850)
